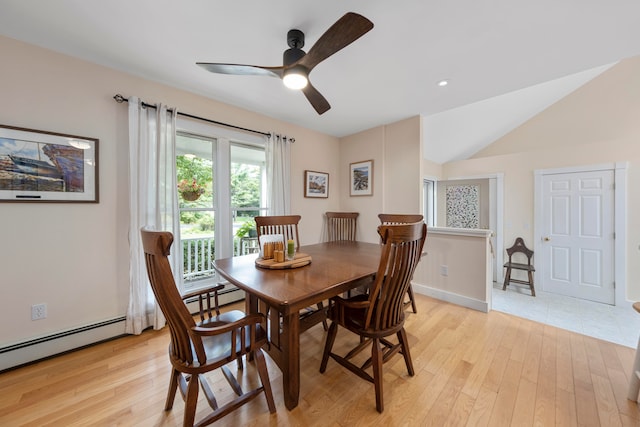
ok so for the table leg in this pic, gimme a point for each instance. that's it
(291, 359)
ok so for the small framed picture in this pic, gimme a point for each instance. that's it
(316, 184)
(40, 166)
(361, 178)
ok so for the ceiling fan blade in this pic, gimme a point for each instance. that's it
(319, 103)
(242, 70)
(345, 31)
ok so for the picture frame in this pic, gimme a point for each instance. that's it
(316, 184)
(41, 166)
(361, 178)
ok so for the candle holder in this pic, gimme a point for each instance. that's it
(291, 250)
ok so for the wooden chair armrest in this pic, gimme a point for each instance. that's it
(209, 290)
(242, 336)
(212, 329)
(338, 300)
(208, 310)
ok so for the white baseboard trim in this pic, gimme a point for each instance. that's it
(450, 297)
(25, 352)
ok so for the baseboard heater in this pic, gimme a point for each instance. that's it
(37, 349)
(26, 352)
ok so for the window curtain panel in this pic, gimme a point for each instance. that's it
(278, 153)
(152, 203)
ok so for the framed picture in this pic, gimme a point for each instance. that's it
(316, 184)
(39, 166)
(361, 178)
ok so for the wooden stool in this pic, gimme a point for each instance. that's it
(520, 247)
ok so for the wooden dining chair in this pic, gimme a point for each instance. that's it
(519, 247)
(342, 225)
(390, 219)
(380, 314)
(287, 225)
(198, 349)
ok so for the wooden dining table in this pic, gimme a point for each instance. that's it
(281, 294)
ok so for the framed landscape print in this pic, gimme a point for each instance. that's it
(316, 184)
(39, 166)
(361, 178)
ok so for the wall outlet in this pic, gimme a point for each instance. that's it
(38, 311)
(444, 270)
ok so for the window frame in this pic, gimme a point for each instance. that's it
(222, 138)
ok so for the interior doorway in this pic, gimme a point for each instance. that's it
(485, 191)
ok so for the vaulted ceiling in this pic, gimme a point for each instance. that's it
(490, 51)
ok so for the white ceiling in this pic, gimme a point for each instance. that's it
(485, 48)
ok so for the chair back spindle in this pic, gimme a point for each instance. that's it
(402, 249)
(341, 225)
(287, 225)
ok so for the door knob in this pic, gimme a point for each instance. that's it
(547, 239)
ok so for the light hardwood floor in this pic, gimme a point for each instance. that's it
(472, 369)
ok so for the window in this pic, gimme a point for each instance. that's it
(429, 197)
(248, 189)
(221, 187)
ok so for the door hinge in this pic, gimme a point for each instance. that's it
(614, 285)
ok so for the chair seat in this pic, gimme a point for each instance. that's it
(519, 266)
(355, 319)
(217, 346)
(218, 349)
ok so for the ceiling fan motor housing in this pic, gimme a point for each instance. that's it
(292, 55)
(295, 40)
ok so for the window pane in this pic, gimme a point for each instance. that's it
(198, 246)
(247, 190)
(429, 202)
(194, 166)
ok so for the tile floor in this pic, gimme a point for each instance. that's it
(620, 325)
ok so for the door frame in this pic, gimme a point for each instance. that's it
(619, 217)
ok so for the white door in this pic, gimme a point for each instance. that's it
(578, 235)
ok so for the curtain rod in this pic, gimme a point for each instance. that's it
(120, 99)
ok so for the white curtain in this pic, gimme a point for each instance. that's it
(278, 153)
(152, 202)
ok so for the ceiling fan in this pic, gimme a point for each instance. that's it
(297, 64)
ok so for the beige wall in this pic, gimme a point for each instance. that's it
(466, 256)
(396, 152)
(74, 257)
(598, 123)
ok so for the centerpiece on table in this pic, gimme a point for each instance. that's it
(190, 190)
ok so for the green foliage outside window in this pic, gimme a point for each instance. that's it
(245, 186)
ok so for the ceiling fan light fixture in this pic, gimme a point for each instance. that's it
(295, 78)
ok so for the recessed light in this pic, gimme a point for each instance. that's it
(443, 83)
